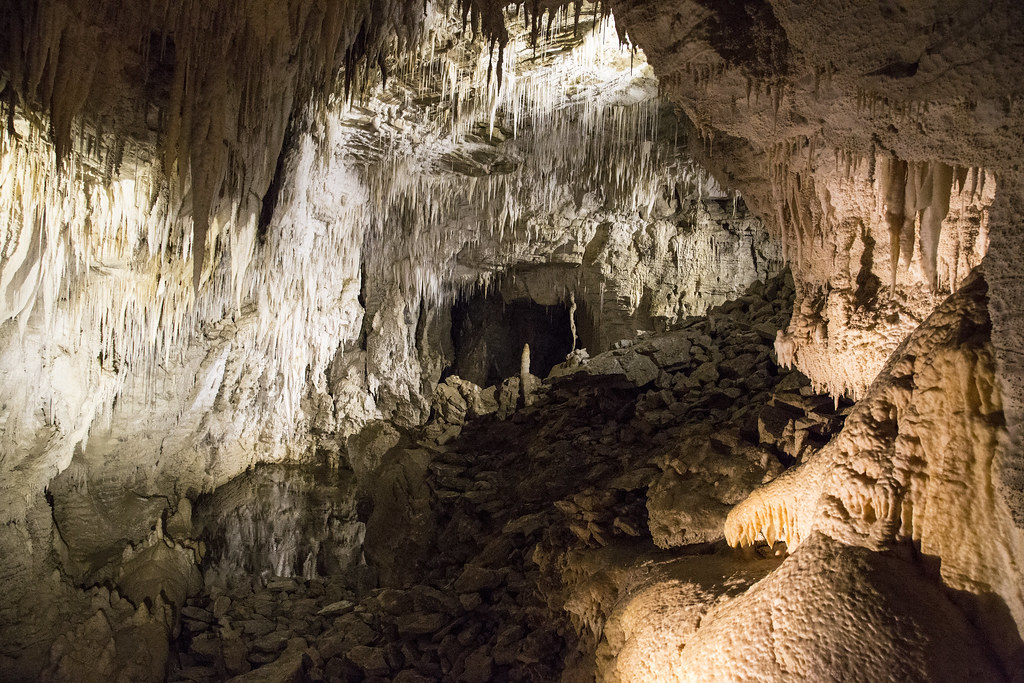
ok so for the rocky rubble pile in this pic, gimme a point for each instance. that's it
(473, 531)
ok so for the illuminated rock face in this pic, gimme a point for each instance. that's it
(892, 528)
(916, 461)
(843, 127)
(840, 125)
(224, 263)
(210, 259)
(855, 152)
(831, 611)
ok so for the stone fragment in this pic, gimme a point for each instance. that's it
(198, 674)
(573, 363)
(478, 667)
(626, 527)
(775, 422)
(419, 623)
(508, 397)
(194, 626)
(640, 370)
(681, 513)
(257, 627)
(205, 647)
(348, 632)
(395, 601)
(274, 642)
(290, 666)
(221, 605)
(371, 660)
(706, 373)
(739, 367)
(506, 646)
(470, 601)
(234, 651)
(411, 676)
(197, 613)
(448, 404)
(670, 351)
(475, 578)
(430, 599)
(282, 584)
(469, 634)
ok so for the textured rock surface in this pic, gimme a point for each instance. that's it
(166, 389)
(528, 575)
(211, 257)
(819, 137)
(523, 538)
(917, 461)
(842, 128)
(830, 611)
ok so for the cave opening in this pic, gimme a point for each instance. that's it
(488, 334)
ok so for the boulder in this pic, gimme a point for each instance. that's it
(508, 397)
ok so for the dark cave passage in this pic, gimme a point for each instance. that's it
(488, 334)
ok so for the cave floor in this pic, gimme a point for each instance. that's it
(529, 532)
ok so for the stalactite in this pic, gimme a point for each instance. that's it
(140, 243)
(582, 142)
(894, 184)
(931, 219)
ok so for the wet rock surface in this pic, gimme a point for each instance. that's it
(476, 539)
(279, 520)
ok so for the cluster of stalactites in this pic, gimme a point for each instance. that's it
(98, 238)
(488, 18)
(770, 523)
(920, 191)
(105, 248)
(913, 197)
(214, 83)
(576, 117)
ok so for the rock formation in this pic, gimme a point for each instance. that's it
(488, 341)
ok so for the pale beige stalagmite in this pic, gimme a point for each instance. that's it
(572, 322)
(525, 385)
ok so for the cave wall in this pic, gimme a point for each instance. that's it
(159, 330)
(151, 354)
(625, 275)
(844, 126)
(812, 131)
(813, 125)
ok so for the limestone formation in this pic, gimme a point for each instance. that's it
(511, 341)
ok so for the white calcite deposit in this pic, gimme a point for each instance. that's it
(234, 234)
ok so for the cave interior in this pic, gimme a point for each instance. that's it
(511, 341)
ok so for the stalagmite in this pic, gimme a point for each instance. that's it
(572, 321)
